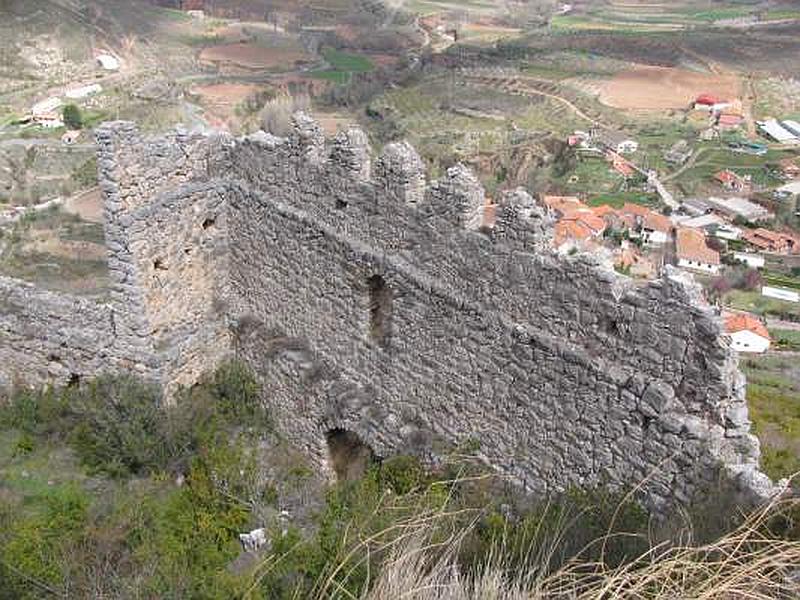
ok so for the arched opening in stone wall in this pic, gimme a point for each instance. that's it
(380, 310)
(349, 456)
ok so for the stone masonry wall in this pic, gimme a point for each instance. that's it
(49, 337)
(368, 299)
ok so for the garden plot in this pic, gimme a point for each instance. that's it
(254, 57)
(57, 251)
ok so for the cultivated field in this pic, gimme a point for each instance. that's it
(662, 88)
(254, 57)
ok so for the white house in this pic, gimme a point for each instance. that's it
(49, 120)
(84, 91)
(747, 333)
(108, 62)
(616, 141)
(754, 261)
(46, 107)
(693, 253)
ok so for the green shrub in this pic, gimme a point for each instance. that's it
(42, 413)
(120, 427)
(73, 119)
(236, 393)
(402, 473)
(37, 545)
(85, 175)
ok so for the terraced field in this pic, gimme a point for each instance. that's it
(634, 16)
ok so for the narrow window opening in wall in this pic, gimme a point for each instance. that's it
(380, 310)
(209, 222)
(159, 264)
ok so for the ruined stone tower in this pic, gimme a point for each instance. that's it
(369, 300)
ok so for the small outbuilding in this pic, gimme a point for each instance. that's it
(108, 62)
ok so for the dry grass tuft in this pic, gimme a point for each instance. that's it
(748, 563)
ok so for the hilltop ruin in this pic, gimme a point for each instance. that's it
(368, 300)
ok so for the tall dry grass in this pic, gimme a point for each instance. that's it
(747, 563)
(421, 559)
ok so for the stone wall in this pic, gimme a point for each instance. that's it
(49, 337)
(368, 299)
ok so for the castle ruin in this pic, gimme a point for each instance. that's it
(367, 299)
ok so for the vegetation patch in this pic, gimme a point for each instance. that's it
(342, 66)
(107, 492)
(773, 393)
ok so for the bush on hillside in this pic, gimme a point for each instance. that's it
(118, 426)
(73, 119)
(120, 430)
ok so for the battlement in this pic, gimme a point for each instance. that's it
(415, 313)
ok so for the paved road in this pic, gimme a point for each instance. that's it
(30, 142)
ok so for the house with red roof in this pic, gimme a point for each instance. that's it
(731, 181)
(748, 334)
(620, 164)
(710, 103)
(577, 223)
(729, 120)
(772, 241)
(654, 229)
(694, 254)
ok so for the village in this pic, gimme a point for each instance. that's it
(730, 240)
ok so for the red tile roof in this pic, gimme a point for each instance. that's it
(587, 218)
(730, 119)
(634, 209)
(691, 245)
(603, 210)
(744, 322)
(658, 222)
(771, 240)
(708, 100)
(570, 230)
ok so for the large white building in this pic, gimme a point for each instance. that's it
(786, 132)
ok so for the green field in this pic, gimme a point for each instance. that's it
(773, 393)
(754, 302)
(621, 198)
(786, 339)
(342, 66)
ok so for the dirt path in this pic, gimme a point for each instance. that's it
(687, 165)
(709, 64)
(778, 324)
(749, 99)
